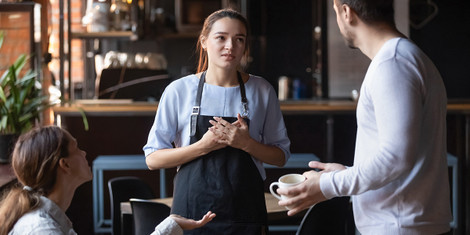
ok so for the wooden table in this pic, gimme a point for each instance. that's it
(275, 212)
(271, 205)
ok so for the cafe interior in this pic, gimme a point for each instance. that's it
(105, 63)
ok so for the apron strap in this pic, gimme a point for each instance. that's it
(197, 102)
(243, 95)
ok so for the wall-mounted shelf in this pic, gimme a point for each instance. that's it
(179, 35)
(105, 35)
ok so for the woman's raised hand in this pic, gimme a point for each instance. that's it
(233, 134)
(210, 141)
(189, 224)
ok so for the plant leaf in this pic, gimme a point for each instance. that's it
(25, 92)
(2, 96)
(21, 101)
(84, 118)
(5, 77)
(30, 75)
(19, 63)
(2, 35)
(3, 122)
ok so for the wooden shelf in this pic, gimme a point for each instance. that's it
(105, 35)
(128, 35)
(179, 35)
(132, 108)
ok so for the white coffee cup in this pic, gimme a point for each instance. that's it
(286, 181)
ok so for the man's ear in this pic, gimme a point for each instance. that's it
(349, 14)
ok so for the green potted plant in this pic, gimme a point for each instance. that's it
(21, 103)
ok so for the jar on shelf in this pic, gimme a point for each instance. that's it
(120, 15)
(96, 18)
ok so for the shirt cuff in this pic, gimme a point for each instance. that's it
(327, 185)
(168, 226)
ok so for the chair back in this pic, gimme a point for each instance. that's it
(147, 214)
(131, 83)
(121, 189)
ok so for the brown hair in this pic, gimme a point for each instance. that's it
(206, 29)
(34, 161)
(372, 11)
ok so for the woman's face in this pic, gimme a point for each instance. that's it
(78, 162)
(226, 43)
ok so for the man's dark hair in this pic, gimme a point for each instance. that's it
(372, 11)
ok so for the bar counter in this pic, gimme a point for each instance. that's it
(126, 108)
(129, 108)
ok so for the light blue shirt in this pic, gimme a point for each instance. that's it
(47, 219)
(172, 121)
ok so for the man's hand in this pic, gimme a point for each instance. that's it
(303, 195)
(307, 193)
(326, 167)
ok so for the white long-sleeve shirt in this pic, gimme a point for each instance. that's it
(399, 180)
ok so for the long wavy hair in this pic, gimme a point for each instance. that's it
(35, 160)
(206, 29)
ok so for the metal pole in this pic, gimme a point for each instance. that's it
(61, 48)
(69, 52)
(466, 164)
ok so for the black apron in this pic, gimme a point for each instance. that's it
(225, 181)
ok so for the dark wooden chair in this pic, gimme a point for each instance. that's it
(147, 214)
(122, 189)
(130, 83)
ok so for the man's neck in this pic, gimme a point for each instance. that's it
(372, 38)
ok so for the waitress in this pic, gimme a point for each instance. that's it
(218, 127)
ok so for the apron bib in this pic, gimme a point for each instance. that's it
(225, 181)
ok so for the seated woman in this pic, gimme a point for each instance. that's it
(50, 166)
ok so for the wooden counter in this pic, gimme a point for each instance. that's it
(128, 108)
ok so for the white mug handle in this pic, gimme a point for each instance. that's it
(273, 192)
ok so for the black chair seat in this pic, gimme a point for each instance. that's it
(147, 214)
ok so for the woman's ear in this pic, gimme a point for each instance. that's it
(64, 165)
(203, 42)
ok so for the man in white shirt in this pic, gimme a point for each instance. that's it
(399, 180)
